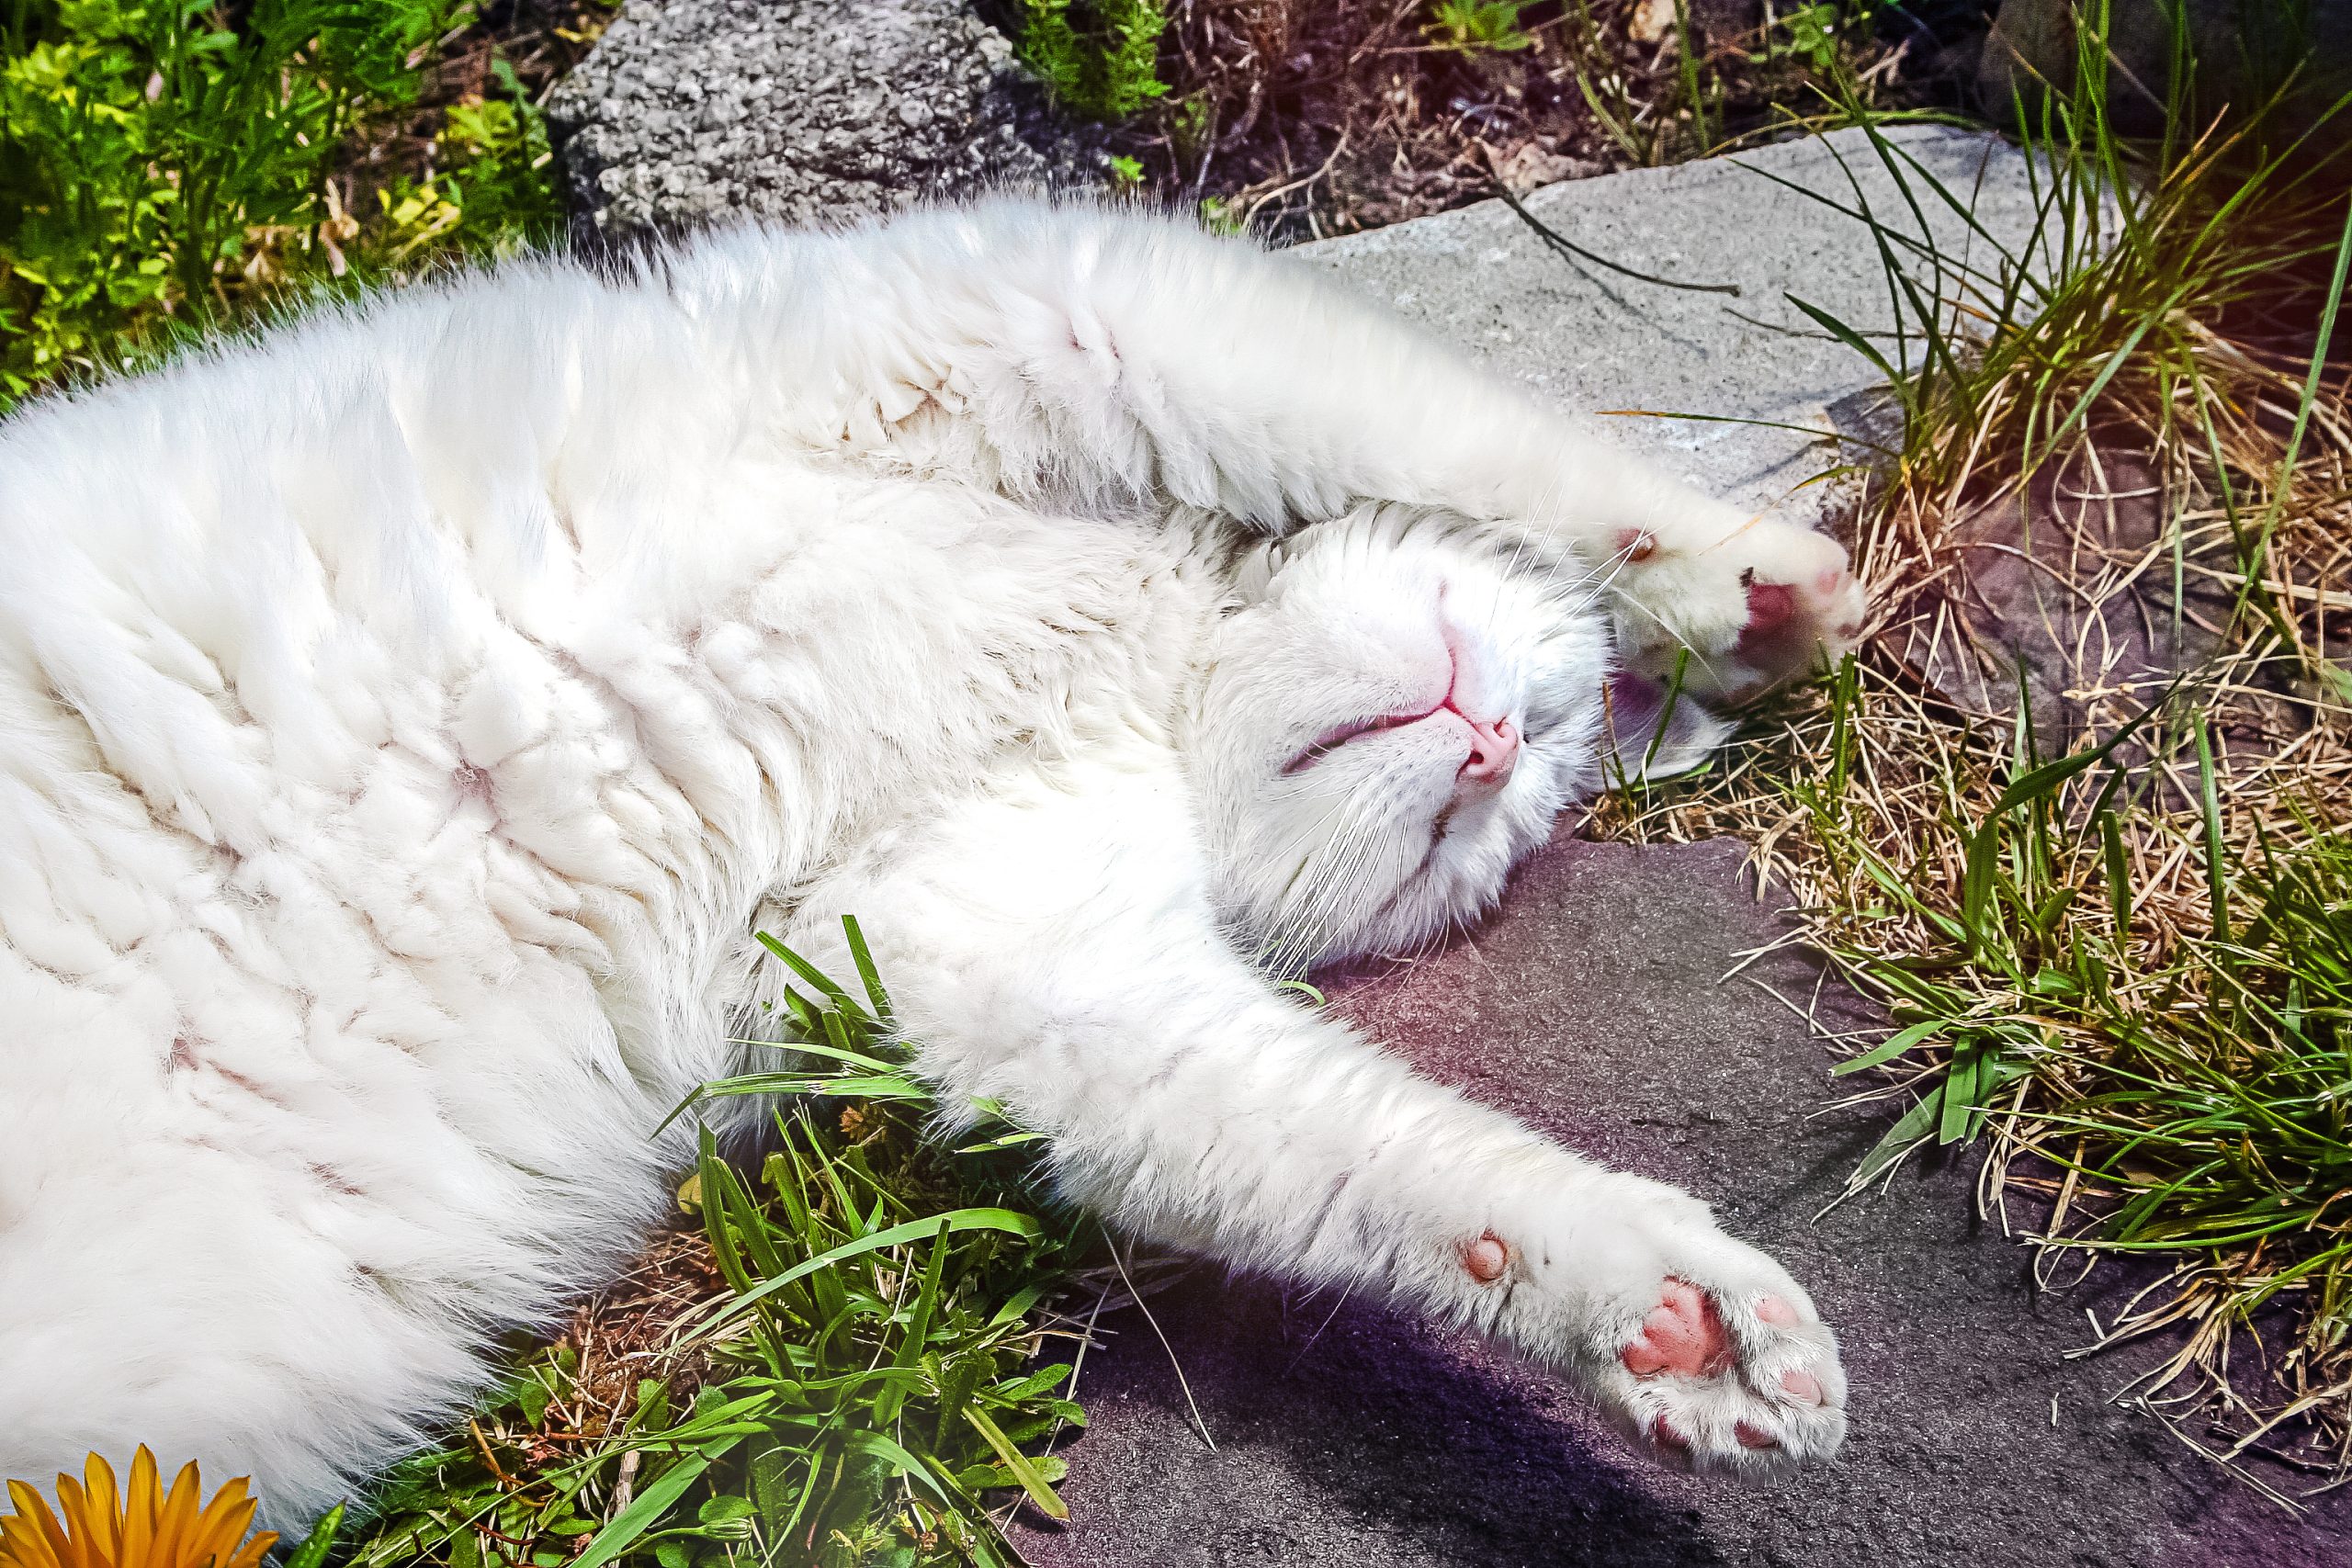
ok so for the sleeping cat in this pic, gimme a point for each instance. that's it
(407, 718)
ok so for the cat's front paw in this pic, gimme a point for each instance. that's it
(1739, 604)
(1742, 1377)
(1697, 1345)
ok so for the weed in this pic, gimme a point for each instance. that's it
(1478, 27)
(837, 1366)
(1811, 34)
(1219, 216)
(1099, 58)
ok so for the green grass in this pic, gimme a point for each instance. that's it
(1478, 27)
(841, 1364)
(167, 166)
(2121, 968)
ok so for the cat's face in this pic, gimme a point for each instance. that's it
(1390, 720)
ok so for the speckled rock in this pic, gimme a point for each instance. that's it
(691, 112)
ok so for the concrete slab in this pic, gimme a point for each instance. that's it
(1593, 341)
(1596, 1008)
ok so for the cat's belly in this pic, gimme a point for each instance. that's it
(276, 1129)
(386, 1055)
(369, 848)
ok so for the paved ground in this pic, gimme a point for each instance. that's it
(1594, 1007)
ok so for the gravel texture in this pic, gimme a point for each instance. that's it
(691, 112)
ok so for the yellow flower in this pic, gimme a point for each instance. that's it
(95, 1527)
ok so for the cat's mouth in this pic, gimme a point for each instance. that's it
(1334, 739)
(1338, 735)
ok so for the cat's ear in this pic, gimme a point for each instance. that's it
(1654, 732)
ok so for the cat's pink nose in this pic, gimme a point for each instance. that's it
(1494, 752)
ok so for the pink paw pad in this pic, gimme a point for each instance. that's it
(1485, 1258)
(1683, 1334)
(1770, 606)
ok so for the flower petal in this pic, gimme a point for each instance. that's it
(34, 1532)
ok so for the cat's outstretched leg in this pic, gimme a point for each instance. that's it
(1094, 360)
(1191, 1105)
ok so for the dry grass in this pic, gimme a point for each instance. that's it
(2131, 975)
(1303, 118)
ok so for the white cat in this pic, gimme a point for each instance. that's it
(406, 718)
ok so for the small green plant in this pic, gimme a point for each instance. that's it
(1099, 58)
(856, 1382)
(1221, 215)
(1814, 34)
(1479, 27)
(168, 164)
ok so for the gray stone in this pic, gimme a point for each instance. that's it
(1601, 1007)
(2066, 596)
(1595, 342)
(689, 112)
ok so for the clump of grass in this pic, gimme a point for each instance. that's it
(1478, 27)
(840, 1363)
(2120, 957)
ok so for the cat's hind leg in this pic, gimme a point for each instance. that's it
(161, 1296)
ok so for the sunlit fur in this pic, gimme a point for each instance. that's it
(1373, 848)
(406, 718)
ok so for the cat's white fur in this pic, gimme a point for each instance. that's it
(406, 718)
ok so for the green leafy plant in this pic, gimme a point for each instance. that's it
(1479, 27)
(857, 1375)
(1809, 34)
(1099, 58)
(167, 163)
(1812, 34)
